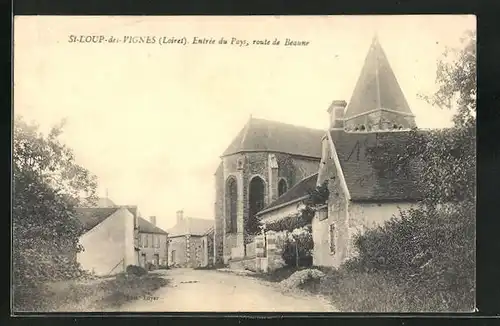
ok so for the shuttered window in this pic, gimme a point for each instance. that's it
(332, 238)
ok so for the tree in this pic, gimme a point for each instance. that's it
(431, 249)
(47, 186)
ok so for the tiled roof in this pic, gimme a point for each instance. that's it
(365, 180)
(299, 190)
(377, 86)
(105, 202)
(147, 227)
(272, 136)
(92, 216)
(191, 226)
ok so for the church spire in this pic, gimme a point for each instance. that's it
(377, 91)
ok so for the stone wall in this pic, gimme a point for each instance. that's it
(219, 215)
(381, 120)
(336, 214)
(210, 248)
(177, 244)
(275, 246)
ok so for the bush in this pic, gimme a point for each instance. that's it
(299, 241)
(427, 252)
(136, 270)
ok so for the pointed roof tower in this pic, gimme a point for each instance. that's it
(377, 87)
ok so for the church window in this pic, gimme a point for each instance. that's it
(332, 238)
(256, 202)
(282, 187)
(231, 205)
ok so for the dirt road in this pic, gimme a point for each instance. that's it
(215, 291)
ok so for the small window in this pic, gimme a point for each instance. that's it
(146, 242)
(332, 238)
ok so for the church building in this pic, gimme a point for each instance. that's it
(270, 167)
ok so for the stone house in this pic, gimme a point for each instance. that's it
(108, 238)
(362, 194)
(191, 242)
(152, 244)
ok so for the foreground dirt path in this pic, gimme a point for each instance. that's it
(214, 291)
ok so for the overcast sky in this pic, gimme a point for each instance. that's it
(151, 121)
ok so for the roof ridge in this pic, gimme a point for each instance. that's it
(288, 124)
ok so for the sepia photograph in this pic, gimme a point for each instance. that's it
(244, 164)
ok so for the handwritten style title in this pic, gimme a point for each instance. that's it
(168, 40)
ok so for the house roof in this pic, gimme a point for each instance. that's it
(364, 178)
(90, 217)
(191, 226)
(377, 86)
(298, 191)
(105, 202)
(270, 136)
(148, 227)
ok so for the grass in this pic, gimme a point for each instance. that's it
(127, 287)
(366, 292)
(93, 295)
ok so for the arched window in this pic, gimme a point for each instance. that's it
(231, 206)
(282, 187)
(256, 201)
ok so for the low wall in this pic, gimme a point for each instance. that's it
(275, 242)
(263, 254)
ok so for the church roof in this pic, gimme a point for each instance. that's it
(377, 86)
(365, 179)
(191, 226)
(148, 227)
(261, 135)
(295, 193)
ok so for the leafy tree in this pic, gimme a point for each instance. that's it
(431, 249)
(47, 185)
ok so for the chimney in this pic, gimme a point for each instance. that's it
(152, 219)
(180, 216)
(336, 111)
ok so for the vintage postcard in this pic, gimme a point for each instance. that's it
(244, 164)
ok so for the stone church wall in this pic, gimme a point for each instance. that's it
(219, 214)
(244, 167)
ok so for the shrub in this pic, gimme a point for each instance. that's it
(136, 270)
(299, 242)
(427, 252)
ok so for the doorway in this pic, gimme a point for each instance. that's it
(172, 257)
